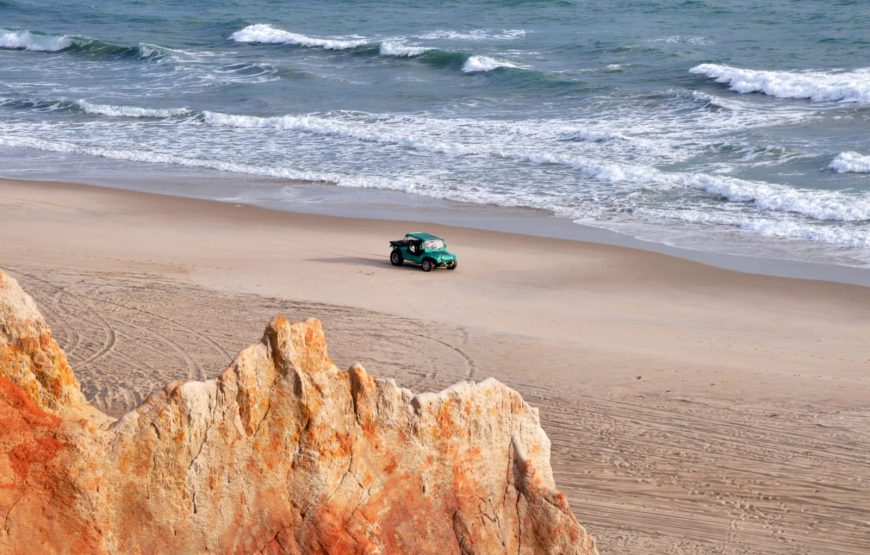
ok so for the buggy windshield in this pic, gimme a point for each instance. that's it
(433, 245)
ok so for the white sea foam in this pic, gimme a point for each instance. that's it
(579, 134)
(266, 34)
(130, 111)
(680, 39)
(780, 227)
(151, 51)
(767, 197)
(850, 162)
(450, 136)
(764, 208)
(25, 40)
(848, 86)
(391, 48)
(165, 158)
(478, 64)
(786, 229)
(155, 51)
(394, 134)
(474, 35)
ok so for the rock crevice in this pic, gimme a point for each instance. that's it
(282, 453)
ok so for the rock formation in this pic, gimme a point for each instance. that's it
(283, 453)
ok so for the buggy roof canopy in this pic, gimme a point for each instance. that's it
(423, 236)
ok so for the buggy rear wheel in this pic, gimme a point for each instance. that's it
(396, 258)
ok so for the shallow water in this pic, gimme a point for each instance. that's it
(728, 126)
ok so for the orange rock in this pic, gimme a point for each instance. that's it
(283, 453)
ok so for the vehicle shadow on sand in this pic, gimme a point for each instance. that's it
(360, 261)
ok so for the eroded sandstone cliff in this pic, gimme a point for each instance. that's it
(283, 453)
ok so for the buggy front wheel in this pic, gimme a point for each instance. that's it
(427, 265)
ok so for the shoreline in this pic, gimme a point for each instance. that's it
(378, 204)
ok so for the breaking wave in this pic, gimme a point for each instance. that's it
(130, 111)
(847, 86)
(40, 42)
(262, 33)
(479, 64)
(400, 50)
(850, 162)
(88, 107)
(37, 42)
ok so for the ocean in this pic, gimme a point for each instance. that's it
(732, 126)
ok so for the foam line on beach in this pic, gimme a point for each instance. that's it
(163, 158)
(406, 133)
(779, 211)
(819, 205)
(778, 227)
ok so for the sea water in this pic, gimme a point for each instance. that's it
(731, 126)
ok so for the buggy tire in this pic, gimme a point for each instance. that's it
(427, 265)
(453, 265)
(396, 258)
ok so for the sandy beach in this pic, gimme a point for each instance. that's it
(691, 409)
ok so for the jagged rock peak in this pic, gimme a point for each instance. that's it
(31, 358)
(282, 453)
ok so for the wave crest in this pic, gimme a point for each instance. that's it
(482, 64)
(262, 33)
(87, 46)
(400, 50)
(25, 40)
(848, 86)
(130, 111)
(474, 35)
(850, 162)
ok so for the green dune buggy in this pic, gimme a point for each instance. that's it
(424, 249)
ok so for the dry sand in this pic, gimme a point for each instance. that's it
(691, 409)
